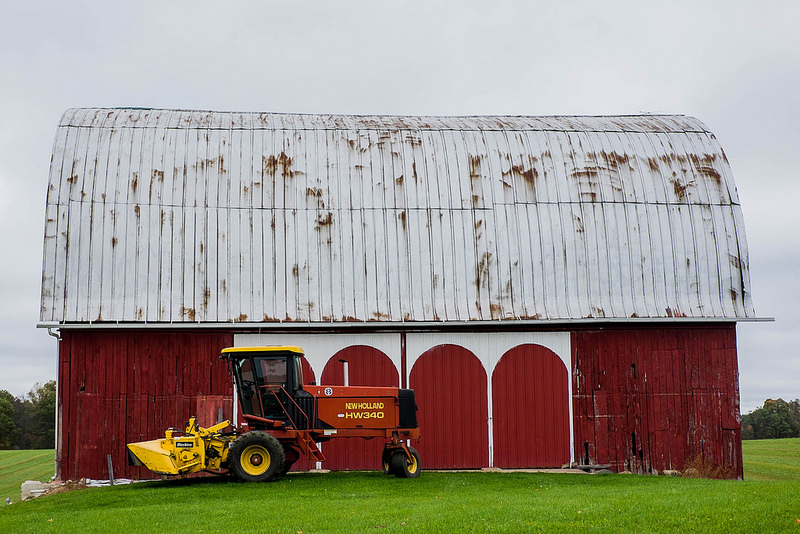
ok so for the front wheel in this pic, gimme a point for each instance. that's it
(405, 467)
(256, 457)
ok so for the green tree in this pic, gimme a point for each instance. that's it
(8, 426)
(775, 419)
(34, 417)
(794, 409)
(41, 409)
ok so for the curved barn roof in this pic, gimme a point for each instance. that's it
(166, 216)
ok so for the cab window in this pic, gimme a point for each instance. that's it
(272, 371)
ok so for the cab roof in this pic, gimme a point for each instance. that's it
(231, 351)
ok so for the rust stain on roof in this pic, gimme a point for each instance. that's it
(680, 188)
(613, 159)
(413, 140)
(578, 224)
(589, 173)
(482, 270)
(316, 193)
(529, 175)
(271, 164)
(402, 216)
(212, 162)
(324, 220)
(475, 167)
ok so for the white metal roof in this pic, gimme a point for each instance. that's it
(186, 216)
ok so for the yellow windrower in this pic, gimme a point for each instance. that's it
(194, 450)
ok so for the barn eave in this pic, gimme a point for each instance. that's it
(396, 325)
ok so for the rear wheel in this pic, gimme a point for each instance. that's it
(256, 457)
(405, 467)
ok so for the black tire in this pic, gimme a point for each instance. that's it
(256, 457)
(386, 461)
(403, 466)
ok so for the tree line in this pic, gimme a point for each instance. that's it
(29, 422)
(776, 419)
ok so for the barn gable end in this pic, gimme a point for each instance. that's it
(620, 237)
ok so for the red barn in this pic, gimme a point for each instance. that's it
(556, 289)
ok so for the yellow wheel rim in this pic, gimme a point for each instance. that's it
(255, 460)
(412, 464)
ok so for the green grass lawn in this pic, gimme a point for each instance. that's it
(771, 459)
(435, 502)
(18, 466)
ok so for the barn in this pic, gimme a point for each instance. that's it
(558, 290)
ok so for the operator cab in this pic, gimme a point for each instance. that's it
(269, 382)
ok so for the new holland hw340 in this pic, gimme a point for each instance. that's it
(284, 419)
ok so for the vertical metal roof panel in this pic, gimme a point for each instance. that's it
(182, 216)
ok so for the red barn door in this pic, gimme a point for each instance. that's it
(450, 387)
(368, 366)
(530, 404)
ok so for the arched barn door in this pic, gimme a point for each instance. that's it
(530, 406)
(368, 366)
(450, 388)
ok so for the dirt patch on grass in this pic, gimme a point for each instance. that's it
(69, 485)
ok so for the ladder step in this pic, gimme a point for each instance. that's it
(308, 446)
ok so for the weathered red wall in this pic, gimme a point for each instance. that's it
(643, 398)
(121, 387)
(648, 399)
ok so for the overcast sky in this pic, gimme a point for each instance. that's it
(735, 65)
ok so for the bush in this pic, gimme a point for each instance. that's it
(697, 467)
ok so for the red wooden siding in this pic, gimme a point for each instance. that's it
(657, 398)
(450, 386)
(368, 366)
(530, 405)
(643, 399)
(120, 387)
